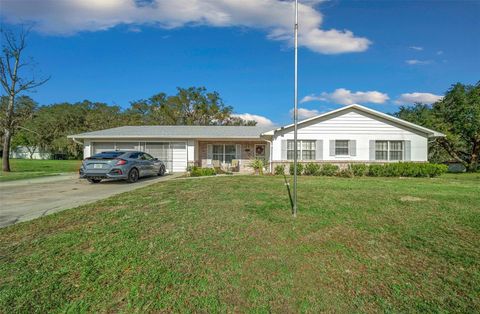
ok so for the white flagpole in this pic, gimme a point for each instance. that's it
(295, 113)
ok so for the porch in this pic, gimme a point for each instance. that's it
(232, 155)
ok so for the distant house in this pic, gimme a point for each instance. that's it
(30, 152)
(352, 134)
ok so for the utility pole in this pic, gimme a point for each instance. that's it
(295, 113)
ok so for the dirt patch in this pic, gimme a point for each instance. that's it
(410, 199)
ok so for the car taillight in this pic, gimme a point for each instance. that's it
(120, 162)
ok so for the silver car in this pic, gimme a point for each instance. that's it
(120, 165)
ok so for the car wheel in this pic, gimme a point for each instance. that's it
(94, 180)
(133, 176)
(161, 172)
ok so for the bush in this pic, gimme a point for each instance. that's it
(329, 170)
(375, 170)
(279, 170)
(257, 165)
(312, 169)
(299, 169)
(345, 173)
(407, 169)
(358, 170)
(201, 172)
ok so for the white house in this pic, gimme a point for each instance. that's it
(350, 134)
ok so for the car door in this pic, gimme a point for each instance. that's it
(150, 164)
(155, 163)
(139, 163)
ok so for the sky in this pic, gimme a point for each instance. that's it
(380, 54)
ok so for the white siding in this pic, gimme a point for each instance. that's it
(357, 126)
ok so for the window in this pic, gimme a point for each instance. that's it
(396, 150)
(305, 150)
(147, 157)
(389, 150)
(381, 150)
(341, 147)
(224, 153)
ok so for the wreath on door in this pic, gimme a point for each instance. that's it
(260, 150)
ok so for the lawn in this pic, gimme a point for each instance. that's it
(28, 168)
(229, 244)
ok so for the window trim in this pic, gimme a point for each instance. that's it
(389, 150)
(300, 151)
(348, 148)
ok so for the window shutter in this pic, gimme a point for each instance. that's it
(319, 150)
(209, 154)
(372, 150)
(352, 147)
(332, 147)
(284, 150)
(408, 150)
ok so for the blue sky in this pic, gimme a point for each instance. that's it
(376, 53)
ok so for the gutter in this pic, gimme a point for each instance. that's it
(76, 141)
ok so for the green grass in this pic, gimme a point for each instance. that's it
(28, 168)
(229, 244)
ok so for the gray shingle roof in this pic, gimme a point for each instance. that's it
(162, 131)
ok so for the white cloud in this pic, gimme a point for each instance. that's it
(424, 98)
(261, 120)
(416, 48)
(440, 52)
(304, 113)
(417, 62)
(273, 16)
(346, 97)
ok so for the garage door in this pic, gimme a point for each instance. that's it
(99, 147)
(173, 154)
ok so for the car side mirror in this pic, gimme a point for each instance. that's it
(156, 159)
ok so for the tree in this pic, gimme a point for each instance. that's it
(13, 83)
(457, 115)
(190, 106)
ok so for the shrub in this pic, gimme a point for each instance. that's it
(328, 170)
(279, 170)
(201, 172)
(311, 169)
(375, 171)
(257, 165)
(407, 169)
(345, 173)
(299, 169)
(358, 170)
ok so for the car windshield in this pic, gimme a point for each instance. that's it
(107, 155)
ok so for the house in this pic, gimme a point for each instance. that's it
(350, 134)
(29, 152)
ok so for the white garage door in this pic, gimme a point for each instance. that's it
(173, 154)
(102, 147)
(99, 147)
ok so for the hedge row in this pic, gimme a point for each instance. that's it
(401, 169)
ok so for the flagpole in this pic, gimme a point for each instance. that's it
(295, 113)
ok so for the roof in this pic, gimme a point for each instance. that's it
(175, 131)
(430, 133)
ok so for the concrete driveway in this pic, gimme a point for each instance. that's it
(24, 200)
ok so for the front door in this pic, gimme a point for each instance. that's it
(260, 151)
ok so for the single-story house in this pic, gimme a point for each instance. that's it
(29, 152)
(351, 134)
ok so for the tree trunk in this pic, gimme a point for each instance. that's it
(6, 151)
(473, 162)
